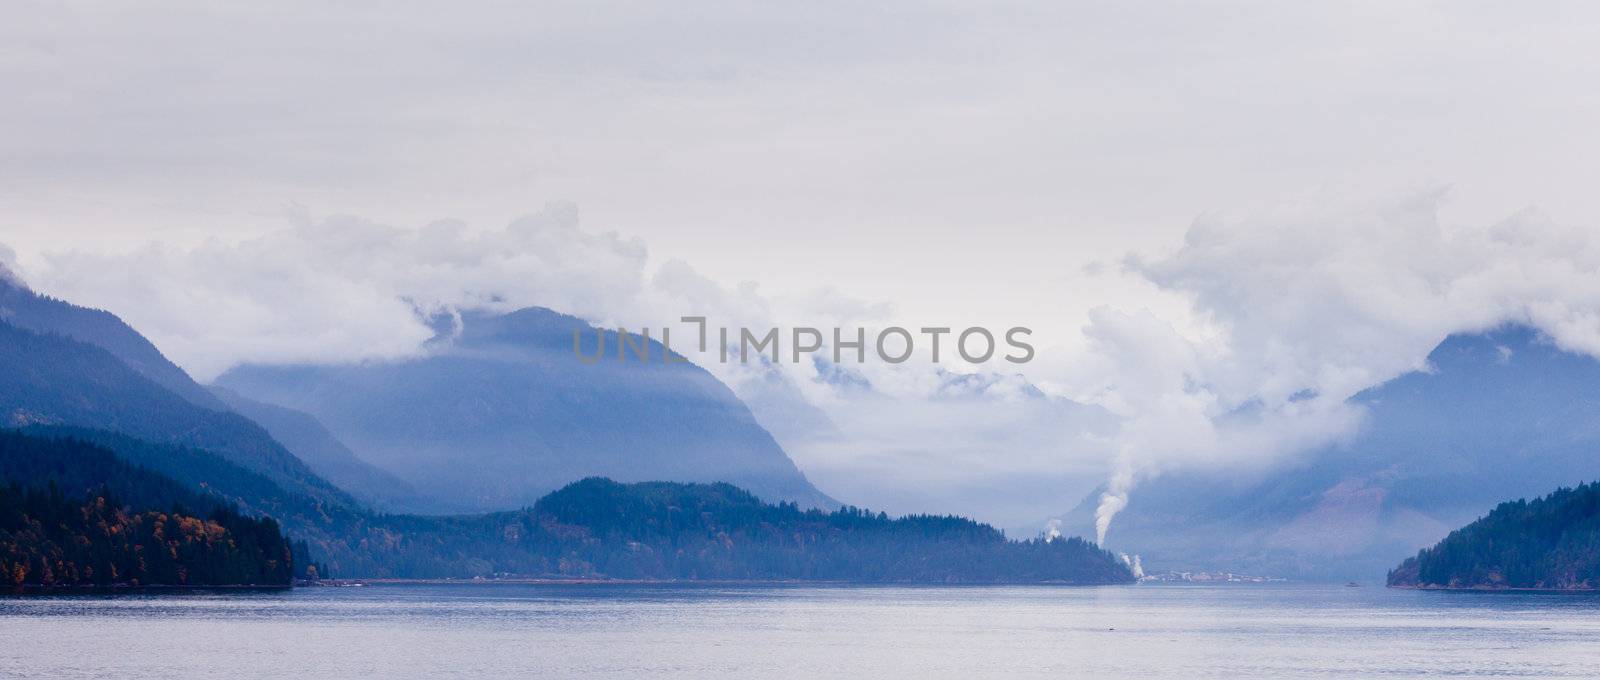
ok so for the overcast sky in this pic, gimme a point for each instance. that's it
(935, 163)
(954, 159)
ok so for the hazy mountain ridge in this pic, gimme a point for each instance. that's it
(1498, 415)
(498, 411)
(312, 443)
(56, 380)
(26, 309)
(297, 432)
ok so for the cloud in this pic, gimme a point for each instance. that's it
(1336, 300)
(1295, 309)
(344, 288)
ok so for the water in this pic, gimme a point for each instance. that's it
(632, 631)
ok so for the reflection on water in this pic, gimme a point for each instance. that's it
(625, 631)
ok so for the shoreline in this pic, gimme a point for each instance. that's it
(128, 588)
(1491, 589)
(361, 582)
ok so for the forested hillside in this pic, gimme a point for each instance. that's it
(72, 514)
(50, 379)
(672, 530)
(1550, 542)
(597, 528)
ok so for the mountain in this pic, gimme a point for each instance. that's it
(54, 384)
(498, 411)
(1501, 414)
(30, 311)
(73, 514)
(1552, 542)
(300, 433)
(52, 379)
(326, 455)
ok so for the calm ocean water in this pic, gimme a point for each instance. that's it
(618, 631)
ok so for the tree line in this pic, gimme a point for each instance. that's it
(1550, 542)
(104, 508)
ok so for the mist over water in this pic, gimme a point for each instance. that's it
(702, 631)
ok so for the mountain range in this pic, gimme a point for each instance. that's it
(496, 413)
(83, 377)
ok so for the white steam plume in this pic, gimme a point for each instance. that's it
(1052, 530)
(1112, 501)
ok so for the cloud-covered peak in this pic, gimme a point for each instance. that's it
(1296, 309)
(8, 271)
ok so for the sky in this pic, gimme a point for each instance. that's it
(1182, 199)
